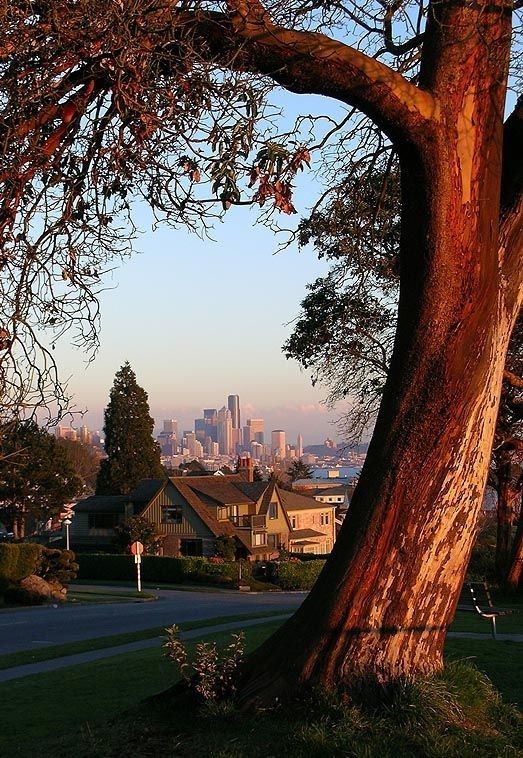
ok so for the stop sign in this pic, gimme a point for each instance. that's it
(137, 548)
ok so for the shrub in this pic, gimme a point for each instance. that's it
(18, 560)
(291, 575)
(213, 677)
(158, 569)
(17, 595)
(226, 547)
(57, 566)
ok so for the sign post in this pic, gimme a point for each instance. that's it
(137, 550)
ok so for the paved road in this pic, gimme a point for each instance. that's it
(26, 629)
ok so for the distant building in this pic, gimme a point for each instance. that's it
(225, 431)
(278, 443)
(170, 426)
(299, 446)
(233, 404)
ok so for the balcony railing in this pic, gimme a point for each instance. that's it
(249, 522)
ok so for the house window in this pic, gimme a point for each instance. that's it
(102, 520)
(172, 514)
(191, 547)
(273, 510)
(324, 519)
(273, 540)
(294, 521)
(259, 538)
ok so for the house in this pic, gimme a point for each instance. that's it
(191, 512)
(313, 523)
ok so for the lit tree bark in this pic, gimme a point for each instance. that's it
(382, 605)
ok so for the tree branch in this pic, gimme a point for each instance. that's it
(511, 221)
(312, 63)
(513, 379)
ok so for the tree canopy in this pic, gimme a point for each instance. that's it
(37, 478)
(132, 453)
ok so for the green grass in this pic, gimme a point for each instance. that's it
(99, 643)
(45, 714)
(81, 711)
(472, 622)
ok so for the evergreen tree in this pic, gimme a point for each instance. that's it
(132, 453)
(299, 470)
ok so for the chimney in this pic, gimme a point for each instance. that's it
(245, 467)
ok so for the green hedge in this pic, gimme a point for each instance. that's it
(291, 575)
(157, 569)
(18, 560)
(287, 575)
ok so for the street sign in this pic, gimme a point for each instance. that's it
(136, 548)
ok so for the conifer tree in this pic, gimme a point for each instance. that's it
(132, 453)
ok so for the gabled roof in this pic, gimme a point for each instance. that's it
(219, 489)
(144, 492)
(294, 502)
(101, 504)
(185, 489)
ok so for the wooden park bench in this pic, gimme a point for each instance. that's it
(475, 598)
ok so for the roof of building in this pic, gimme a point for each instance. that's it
(101, 504)
(144, 492)
(299, 534)
(185, 488)
(341, 490)
(294, 502)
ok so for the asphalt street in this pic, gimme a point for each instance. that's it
(30, 628)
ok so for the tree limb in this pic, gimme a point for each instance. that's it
(312, 63)
(513, 379)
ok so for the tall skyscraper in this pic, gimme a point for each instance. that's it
(253, 432)
(225, 431)
(299, 446)
(210, 416)
(278, 443)
(170, 426)
(233, 404)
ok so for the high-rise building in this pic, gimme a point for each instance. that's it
(85, 435)
(170, 426)
(66, 433)
(199, 429)
(278, 443)
(299, 446)
(233, 404)
(253, 431)
(225, 431)
(210, 416)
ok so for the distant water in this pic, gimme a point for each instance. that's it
(344, 471)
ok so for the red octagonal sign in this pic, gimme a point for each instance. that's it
(136, 548)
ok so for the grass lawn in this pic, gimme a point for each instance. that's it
(472, 622)
(62, 713)
(98, 643)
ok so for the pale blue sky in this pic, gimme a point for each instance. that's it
(200, 320)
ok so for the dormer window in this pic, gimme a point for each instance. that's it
(273, 510)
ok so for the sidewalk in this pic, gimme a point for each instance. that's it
(28, 669)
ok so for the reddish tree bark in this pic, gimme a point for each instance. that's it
(382, 605)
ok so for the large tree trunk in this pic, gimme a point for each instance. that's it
(515, 574)
(381, 607)
(508, 497)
